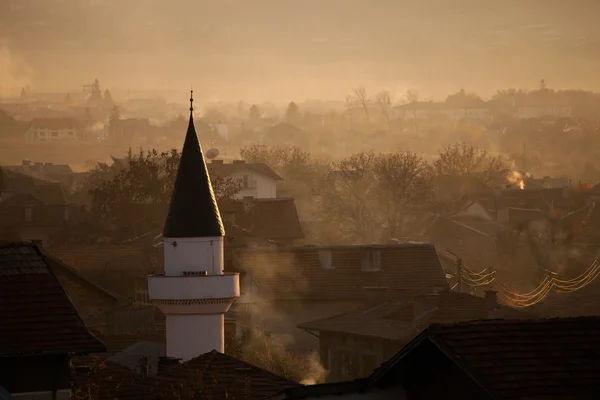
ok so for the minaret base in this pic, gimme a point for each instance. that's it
(189, 336)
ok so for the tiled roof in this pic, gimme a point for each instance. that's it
(36, 314)
(117, 343)
(401, 319)
(55, 123)
(224, 170)
(218, 376)
(106, 380)
(512, 359)
(211, 376)
(297, 273)
(19, 184)
(126, 257)
(275, 219)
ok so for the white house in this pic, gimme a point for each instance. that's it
(53, 129)
(257, 179)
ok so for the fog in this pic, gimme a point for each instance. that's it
(268, 50)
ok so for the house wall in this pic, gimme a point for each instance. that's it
(35, 373)
(259, 186)
(37, 134)
(348, 356)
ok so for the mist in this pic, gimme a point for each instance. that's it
(278, 51)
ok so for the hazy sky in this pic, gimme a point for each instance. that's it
(280, 50)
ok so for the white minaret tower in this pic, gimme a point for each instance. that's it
(194, 293)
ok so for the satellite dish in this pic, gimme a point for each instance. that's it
(212, 153)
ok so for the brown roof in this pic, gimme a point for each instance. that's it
(54, 123)
(49, 193)
(37, 315)
(402, 319)
(211, 376)
(512, 359)
(298, 274)
(275, 219)
(224, 170)
(550, 359)
(125, 257)
(218, 376)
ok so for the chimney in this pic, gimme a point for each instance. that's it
(490, 300)
(216, 162)
(165, 363)
(239, 162)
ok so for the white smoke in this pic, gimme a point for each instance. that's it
(15, 72)
(516, 178)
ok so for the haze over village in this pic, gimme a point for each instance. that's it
(274, 200)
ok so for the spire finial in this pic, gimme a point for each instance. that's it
(191, 100)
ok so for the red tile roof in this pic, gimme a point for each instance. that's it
(511, 359)
(37, 315)
(298, 274)
(275, 219)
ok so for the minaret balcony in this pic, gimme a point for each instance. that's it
(195, 287)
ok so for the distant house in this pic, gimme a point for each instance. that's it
(256, 179)
(283, 288)
(252, 221)
(33, 209)
(494, 359)
(57, 173)
(54, 129)
(540, 111)
(440, 110)
(352, 345)
(40, 329)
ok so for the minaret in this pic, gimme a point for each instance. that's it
(194, 292)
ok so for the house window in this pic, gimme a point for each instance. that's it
(66, 213)
(371, 260)
(42, 133)
(28, 214)
(71, 133)
(54, 134)
(245, 181)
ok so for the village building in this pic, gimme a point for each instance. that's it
(281, 288)
(492, 359)
(44, 130)
(33, 209)
(256, 180)
(352, 345)
(41, 329)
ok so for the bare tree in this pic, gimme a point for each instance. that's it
(459, 158)
(412, 98)
(384, 101)
(397, 187)
(363, 100)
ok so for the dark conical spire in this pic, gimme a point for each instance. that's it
(193, 211)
